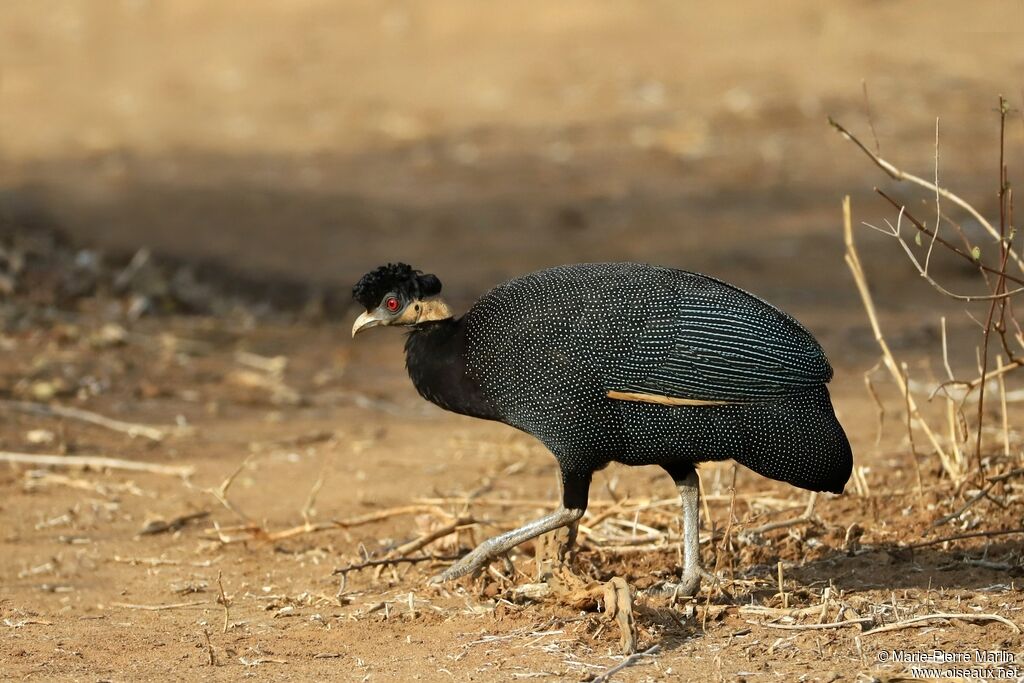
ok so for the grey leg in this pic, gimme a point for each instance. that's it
(688, 485)
(574, 503)
(689, 493)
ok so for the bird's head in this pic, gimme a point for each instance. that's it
(396, 294)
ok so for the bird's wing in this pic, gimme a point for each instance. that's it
(705, 342)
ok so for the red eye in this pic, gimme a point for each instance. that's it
(391, 304)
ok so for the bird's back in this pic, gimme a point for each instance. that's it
(636, 327)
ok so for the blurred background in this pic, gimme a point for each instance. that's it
(313, 140)
(189, 189)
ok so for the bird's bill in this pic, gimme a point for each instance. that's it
(365, 321)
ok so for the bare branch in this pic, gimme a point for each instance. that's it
(897, 174)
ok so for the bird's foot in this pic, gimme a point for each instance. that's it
(687, 587)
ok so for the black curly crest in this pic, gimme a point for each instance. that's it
(394, 277)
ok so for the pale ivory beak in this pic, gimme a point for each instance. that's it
(365, 321)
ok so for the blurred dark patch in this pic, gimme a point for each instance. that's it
(41, 267)
(201, 232)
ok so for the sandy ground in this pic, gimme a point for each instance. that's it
(281, 151)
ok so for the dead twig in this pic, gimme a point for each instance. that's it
(1002, 407)
(794, 612)
(221, 492)
(949, 245)
(627, 662)
(387, 561)
(897, 174)
(38, 478)
(878, 402)
(130, 428)
(910, 436)
(160, 526)
(307, 508)
(428, 538)
(992, 482)
(209, 647)
(162, 561)
(381, 515)
(637, 549)
(1000, 284)
(896, 232)
(97, 461)
(853, 262)
(160, 608)
(255, 532)
(806, 516)
(816, 627)
(223, 600)
(782, 588)
(913, 622)
(961, 537)
(260, 660)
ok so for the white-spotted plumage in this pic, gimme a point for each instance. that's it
(546, 348)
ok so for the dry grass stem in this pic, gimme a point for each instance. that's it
(804, 517)
(723, 547)
(782, 591)
(795, 612)
(879, 406)
(992, 482)
(160, 608)
(161, 561)
(221, 492)
(817, 627)
(130, 428)
(914, 622)
(462, 501)
(314, 491)
(428, 538)
(381, 515)
(209, 648)
(224, 601)
(96, 461)
(160, 526)
(853, 262)
(910, 436)
(252, 531)
(965, 536)
(388, 561)
(1002, 406)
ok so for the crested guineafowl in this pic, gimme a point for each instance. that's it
(622, 362)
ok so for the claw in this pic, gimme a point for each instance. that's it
(688, 587)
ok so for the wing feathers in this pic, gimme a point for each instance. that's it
(710, 342)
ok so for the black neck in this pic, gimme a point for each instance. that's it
(436, 361)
